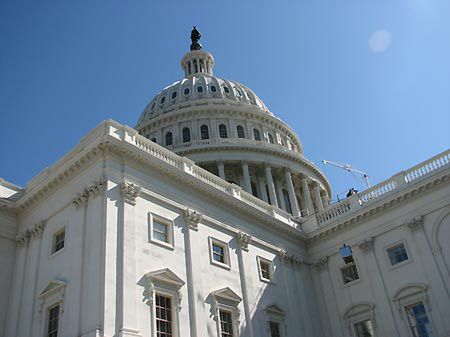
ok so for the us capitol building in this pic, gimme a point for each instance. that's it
(207, 220)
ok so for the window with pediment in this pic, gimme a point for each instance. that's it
(225, 304)
(414, 309)
(360, 319)
(275, 321)
(51, 307)
(164, 297)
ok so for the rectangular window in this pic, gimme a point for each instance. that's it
(265, 269)
(226, 324)
(349, 273)
(364, 329)
(160, 231)
(58, 241)
(218, 253)
(164, 320)
(274, 329)
(397, 254)
(418, 320)
(53, 321)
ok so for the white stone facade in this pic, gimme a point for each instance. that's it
(120, 223)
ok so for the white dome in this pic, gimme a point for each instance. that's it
(198, 89)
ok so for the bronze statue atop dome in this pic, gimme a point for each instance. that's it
(195, 37)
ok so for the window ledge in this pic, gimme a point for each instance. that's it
(397, 265)
(221, 265)
(349, 284)
(163, 244)
(58, 252)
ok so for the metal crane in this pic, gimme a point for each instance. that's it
(348, 168)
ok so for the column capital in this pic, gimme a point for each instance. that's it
(415, 224)
(192, 218)
(244, 240)
(366, 244)
(321, 263)
(303, 176)
(130, 192)
(315, 183)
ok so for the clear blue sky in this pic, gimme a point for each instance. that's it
(379, 102)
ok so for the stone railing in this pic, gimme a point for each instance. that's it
(427, 167)
(375, 193)
(211, 179)
(217, 141)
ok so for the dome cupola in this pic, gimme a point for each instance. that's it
(197, 62)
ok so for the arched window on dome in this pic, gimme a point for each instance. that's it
(240, 131)
(186, 135)
(256, 134)
(287, 201)
(204, 132)
(271, 140)
(202, 67)
(169, 138)
(223, 131)
(226, 90)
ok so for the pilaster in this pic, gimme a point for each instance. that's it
(128, 322)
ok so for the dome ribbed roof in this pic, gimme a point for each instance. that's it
(198, 89)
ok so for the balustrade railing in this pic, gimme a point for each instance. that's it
(376, 192)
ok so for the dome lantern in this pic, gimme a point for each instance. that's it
(197, 62)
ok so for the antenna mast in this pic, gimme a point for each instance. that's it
(348, 168)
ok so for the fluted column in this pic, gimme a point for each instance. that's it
(272, 195)
(247, 184)
(306, 194)
(279, 188)
(221, 167)
(292, 196)
(317, 196)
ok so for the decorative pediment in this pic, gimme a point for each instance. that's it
(52, 287)
(358, 308)
(410, 290)
(227, 294)
(165, 276)
(274, 310)
(55, 291)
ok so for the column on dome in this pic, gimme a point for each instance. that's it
(317, 197)
(194, 130)
(306, 194)
(262, 187)
(249, 130)
(221, 168)
(279, 188)
(271, 186)
(247, 183)
(325, 199)
(291, 192)
(213, 128)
